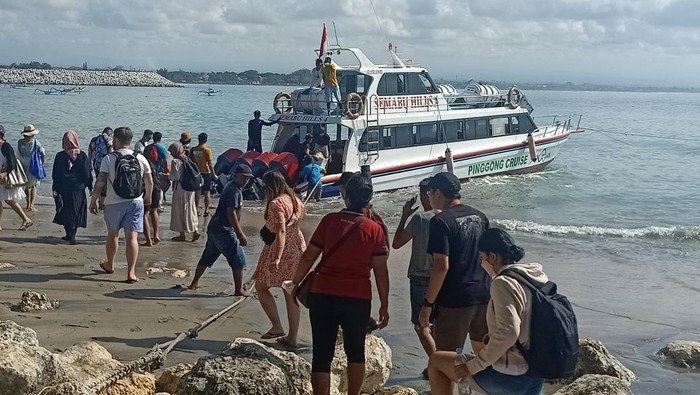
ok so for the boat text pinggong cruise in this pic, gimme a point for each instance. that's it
(498, 164)
(395, 102)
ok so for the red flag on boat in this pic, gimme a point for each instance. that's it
(324, 42)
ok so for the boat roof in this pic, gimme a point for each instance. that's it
(359, 61)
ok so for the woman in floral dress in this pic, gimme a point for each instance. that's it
(278, 261)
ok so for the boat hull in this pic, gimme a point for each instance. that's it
(513, 159)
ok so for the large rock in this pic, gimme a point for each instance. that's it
(33, 301)
(170, 378)
(396, 390)
(247, 367)
(25, 368)
(683, 354)
(134, 384)
(596, 384)
(378, 366)
(17, 334)
(594, 359)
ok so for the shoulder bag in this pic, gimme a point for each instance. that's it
(16, 178)
(36, 165)
(304, 288)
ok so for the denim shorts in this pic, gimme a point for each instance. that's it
(124, 215)
(494, 382)
(226, 244)
(419, 287)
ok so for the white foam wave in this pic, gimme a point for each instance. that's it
(649, 232)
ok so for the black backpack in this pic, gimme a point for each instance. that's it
(128, 182)
(190, 180)
(553, 351)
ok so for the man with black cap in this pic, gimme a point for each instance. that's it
(224, 233)
(458, 291)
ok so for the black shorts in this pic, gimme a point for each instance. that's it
(206, 183)
(155, 200)
(327, 313)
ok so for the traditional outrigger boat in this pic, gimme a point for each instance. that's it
(399, 126)
(61, 91)
(210, 92)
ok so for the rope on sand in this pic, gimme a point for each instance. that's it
(154, 359)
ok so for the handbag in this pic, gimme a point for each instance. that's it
(304, 288)
(16, 178)
(36, 166)
(268, 236)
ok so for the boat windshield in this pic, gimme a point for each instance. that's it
(353, 81)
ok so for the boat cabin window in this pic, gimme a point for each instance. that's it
(482, 129)
(525, 123)
(351, 81)
(393, 84)
(425, 133)
(452, 131)
(514, 126)
(498, 126)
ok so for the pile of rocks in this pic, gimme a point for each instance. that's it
(83, 77)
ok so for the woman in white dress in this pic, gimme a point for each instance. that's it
(25, 148)
(183, 216)
(8, 161)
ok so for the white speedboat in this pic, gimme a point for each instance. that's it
(397, 124)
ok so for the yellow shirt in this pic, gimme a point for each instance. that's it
(202, 155)
(329, 76)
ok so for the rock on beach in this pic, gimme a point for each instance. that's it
(594, 359)
(681, 353)
(83, 77)
(33, 301)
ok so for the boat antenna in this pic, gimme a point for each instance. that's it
(378, 21)
(336, 35)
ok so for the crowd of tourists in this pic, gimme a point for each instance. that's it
(461, 286)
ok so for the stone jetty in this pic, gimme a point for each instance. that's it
(83, 77)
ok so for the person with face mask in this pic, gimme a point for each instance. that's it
(499, 367)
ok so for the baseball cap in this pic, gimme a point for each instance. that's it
(243, 169)
(344, 178)
(445, 182)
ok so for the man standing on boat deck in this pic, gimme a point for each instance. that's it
(330, 83)
(255, 132)
(458, 291)
(317, 75)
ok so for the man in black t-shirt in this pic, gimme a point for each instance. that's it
(224, 233)
(459, 287)
(255, 132)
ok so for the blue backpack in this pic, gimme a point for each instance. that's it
(36, 165)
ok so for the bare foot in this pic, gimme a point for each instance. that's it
(243, 293)
(147, 244)
(156, 240)
(193, 286)
(131, 280)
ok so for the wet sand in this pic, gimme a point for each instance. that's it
(128, 319)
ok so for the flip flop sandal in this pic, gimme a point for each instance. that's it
(283, 341)
(26, 226)
(104, 269)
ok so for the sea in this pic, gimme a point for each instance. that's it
(615, 219)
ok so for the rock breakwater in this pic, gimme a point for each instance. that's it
(83, 77)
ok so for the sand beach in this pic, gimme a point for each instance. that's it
(128, 319)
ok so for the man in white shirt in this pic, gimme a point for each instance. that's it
(317, 75)
(143, 142)
(122, 212)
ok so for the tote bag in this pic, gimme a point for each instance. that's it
(36, 166)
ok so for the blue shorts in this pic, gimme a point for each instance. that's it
(494, 382)
(226, 244)
(124, 215)
(419, 287)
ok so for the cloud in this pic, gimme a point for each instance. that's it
(496, 39)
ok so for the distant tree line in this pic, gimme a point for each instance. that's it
(30, 65)
(249, 77)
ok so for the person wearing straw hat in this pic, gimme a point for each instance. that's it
(25, 147)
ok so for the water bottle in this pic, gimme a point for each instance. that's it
(462, 383)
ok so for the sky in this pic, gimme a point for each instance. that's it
(626, 42)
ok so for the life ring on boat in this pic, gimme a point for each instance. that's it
(515, 96)
(354, 106)
(282, 103)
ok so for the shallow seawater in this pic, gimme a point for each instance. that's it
(615, 219)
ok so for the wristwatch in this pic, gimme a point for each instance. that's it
(427, 304)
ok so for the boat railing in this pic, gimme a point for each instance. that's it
(564, 120)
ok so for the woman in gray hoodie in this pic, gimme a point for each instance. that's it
(499, 368)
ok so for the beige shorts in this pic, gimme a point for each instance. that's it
(452, 325)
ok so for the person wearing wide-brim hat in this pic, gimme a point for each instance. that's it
(25, 148)
(185, 140)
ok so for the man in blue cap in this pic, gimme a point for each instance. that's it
(224, 233)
